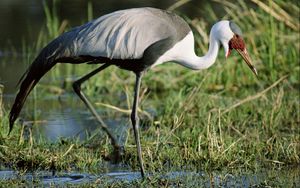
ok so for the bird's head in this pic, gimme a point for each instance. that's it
(230, 36)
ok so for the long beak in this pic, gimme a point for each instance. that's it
(247, 59)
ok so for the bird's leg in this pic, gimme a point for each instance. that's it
(135, 120)
(118, 150)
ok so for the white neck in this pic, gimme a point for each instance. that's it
(192, 61)
(183, 53)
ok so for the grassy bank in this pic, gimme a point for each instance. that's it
(220, 119)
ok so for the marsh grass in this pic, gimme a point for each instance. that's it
(216, 119)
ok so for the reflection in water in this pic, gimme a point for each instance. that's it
(71, 124)
(68, 118)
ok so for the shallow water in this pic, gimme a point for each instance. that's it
(61, 178)
(265, 178)
(67, 117)
(76, 122)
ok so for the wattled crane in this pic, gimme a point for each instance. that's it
(135, 40)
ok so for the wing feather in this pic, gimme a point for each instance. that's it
(124, 34)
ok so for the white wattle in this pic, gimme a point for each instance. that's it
(183, 53)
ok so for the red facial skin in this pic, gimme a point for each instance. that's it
(236, 42)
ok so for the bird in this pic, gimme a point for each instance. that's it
(136, 40)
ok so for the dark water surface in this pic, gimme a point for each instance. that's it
(264, 178)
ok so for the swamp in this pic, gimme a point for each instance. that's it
(220, 127)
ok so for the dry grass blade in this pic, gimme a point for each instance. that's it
(231, 145)
(278, 13)
(126, 111)
(114, 107)
(68, 151)
(258, 95)
(63, 26)
(228, 4)
(197, 25)
(178, 4)
(1, 91)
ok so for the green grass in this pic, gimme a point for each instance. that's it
(220, 119)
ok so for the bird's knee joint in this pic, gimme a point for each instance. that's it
(134, 118)
(76, 87)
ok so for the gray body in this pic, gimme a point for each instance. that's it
(133, 34)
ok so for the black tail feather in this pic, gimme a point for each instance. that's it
(40, 66)
(34, 74)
